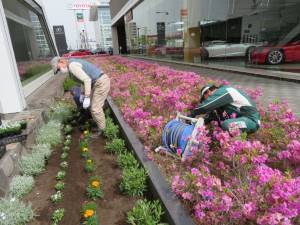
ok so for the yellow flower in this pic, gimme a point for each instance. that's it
(88, 213)
(95, 183)
(89, 161)
(86, 132)
(85, 149)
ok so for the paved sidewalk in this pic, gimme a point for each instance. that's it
(272, 89)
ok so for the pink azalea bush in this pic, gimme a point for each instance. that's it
(232, 178)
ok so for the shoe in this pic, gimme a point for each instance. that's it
(96, 134)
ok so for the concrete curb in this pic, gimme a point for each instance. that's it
(175, 213)
(277, 75)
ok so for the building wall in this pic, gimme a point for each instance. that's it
(116, 6)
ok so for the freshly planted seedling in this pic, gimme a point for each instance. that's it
(60, 186)
(57, 216)
(134, 181)
(89, 166)
(56, 197)
(64, 164)
(94, 189)
(89, 214)
(116, 146)
(68, 137)
(67, 142)
(64, 155)
(66, 148)
(84, 152)
(68, 129)
(61, 175)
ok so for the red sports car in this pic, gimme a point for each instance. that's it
(81, 52)
(275, 54)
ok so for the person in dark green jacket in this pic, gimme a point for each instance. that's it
(229, 106)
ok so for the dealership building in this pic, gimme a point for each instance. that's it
(262, 34)
(26, 47)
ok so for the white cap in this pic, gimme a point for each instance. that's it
(54, 64)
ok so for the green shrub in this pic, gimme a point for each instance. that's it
(32, 164)
(116, 146)
(50, 133)
(134, 181)
(126, 160)
(57, 216)
(69, 83)
(43, 149)
(111, 130)
(145, 213)
(15, 212)
(20, 186)
(61, 111)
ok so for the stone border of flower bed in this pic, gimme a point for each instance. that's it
(176, 214)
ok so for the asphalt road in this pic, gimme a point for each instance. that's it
(272, 88)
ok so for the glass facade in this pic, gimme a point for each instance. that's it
(30, 39)
(245, 33)
(105, 27)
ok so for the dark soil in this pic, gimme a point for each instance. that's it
(111, 209)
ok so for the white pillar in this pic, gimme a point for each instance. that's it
(115, 41)
(11, 92)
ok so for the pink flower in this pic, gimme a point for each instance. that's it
(187, 196)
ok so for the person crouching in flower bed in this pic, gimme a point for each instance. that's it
(96, 85)
(229, 106)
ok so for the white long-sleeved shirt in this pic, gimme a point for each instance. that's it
(76, 69)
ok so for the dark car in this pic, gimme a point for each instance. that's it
(98, 51)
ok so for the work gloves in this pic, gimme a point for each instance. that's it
(86, 102)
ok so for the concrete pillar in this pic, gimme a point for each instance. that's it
(115, 41)
(11, 92)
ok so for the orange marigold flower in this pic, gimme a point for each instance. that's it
(95, 183)
(88, 213)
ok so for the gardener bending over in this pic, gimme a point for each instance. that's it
(96, 84)
(230, 106)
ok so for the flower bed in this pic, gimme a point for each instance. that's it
(232, 178)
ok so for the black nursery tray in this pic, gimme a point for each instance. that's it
(13, 139)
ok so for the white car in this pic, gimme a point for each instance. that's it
(218, 49)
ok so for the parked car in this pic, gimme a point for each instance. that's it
(168, 51)
(80, 52)
(220, 49)
(98, 51)
(276, 54)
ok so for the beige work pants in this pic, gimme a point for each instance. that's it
(99, 95)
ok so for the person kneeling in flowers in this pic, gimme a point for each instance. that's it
(96, 84)
(229, 106)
